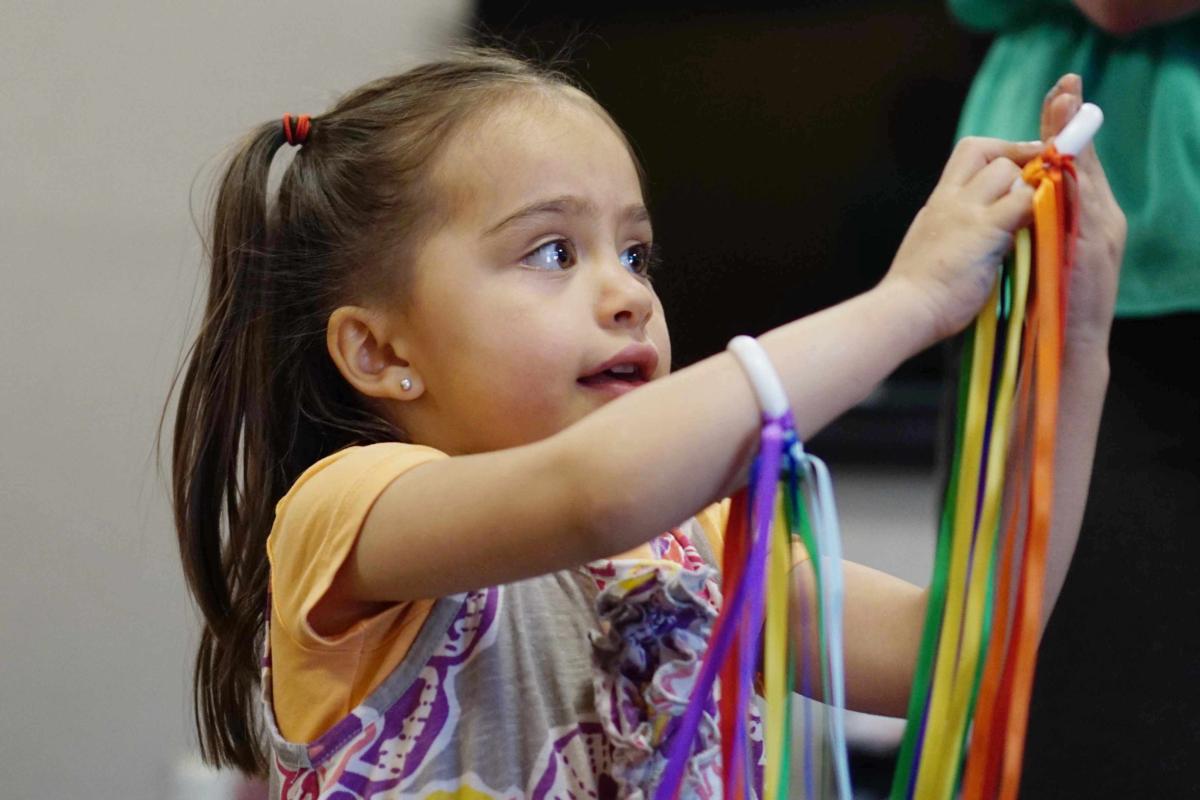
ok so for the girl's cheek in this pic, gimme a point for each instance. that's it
(663, 340)
(530, 360)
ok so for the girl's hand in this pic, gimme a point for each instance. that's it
(952, 249)
(1092, 293)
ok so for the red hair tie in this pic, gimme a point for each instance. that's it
(298, 135)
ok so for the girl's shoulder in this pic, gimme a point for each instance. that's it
(317, 522)
(340, 489)
(354, 465)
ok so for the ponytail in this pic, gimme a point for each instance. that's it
(224, 478)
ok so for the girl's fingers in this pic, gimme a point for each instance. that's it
(1014, 209)
(1062, 102)
(1057, 108)
(1088, 166)
(993, 181)
(974, 153)
(1059, 112)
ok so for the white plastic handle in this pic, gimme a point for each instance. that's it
(1080, 130)
(750, 354)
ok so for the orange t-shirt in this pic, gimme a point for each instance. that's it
(317, 680)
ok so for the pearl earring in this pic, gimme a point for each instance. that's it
(405, 384)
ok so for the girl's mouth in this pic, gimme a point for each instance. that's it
(613, 384)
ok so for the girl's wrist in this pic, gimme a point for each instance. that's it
(1087, 338)
(1086, 355)
(916, 309)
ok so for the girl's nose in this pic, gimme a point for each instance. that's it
(625, 298)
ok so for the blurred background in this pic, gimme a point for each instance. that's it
(787, 145)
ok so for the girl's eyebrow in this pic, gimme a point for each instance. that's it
(568, 206)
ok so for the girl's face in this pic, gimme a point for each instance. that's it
(534, 281)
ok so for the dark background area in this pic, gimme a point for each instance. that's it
(788, 147)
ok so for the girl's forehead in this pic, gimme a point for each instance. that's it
(529, 150)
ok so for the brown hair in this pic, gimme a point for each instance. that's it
(261, 399)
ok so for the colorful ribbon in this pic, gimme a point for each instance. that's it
(975, 667)
(757, 563)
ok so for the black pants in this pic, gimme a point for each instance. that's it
(1116, 701)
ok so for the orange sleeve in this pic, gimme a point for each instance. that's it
(316, 680)
(317, 523)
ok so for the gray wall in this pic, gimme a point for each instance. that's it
(108, 113)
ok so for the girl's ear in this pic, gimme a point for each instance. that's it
(373, 363)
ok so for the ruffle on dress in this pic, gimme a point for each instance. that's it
(656, 617)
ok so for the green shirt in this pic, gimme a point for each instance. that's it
(1148, 85)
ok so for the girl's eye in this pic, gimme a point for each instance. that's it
(552, 255)
(640, 258)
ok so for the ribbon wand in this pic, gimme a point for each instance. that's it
(968, 596)
(995, 757)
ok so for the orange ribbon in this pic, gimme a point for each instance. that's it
(998, 737)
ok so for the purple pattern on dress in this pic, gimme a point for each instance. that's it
(578, 765)
(376, 752)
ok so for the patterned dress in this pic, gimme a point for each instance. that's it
(565, 685)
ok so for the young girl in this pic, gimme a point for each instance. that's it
(430, 424)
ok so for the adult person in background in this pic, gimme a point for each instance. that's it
(1116, 702)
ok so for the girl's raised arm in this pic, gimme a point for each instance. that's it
(650, 459)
